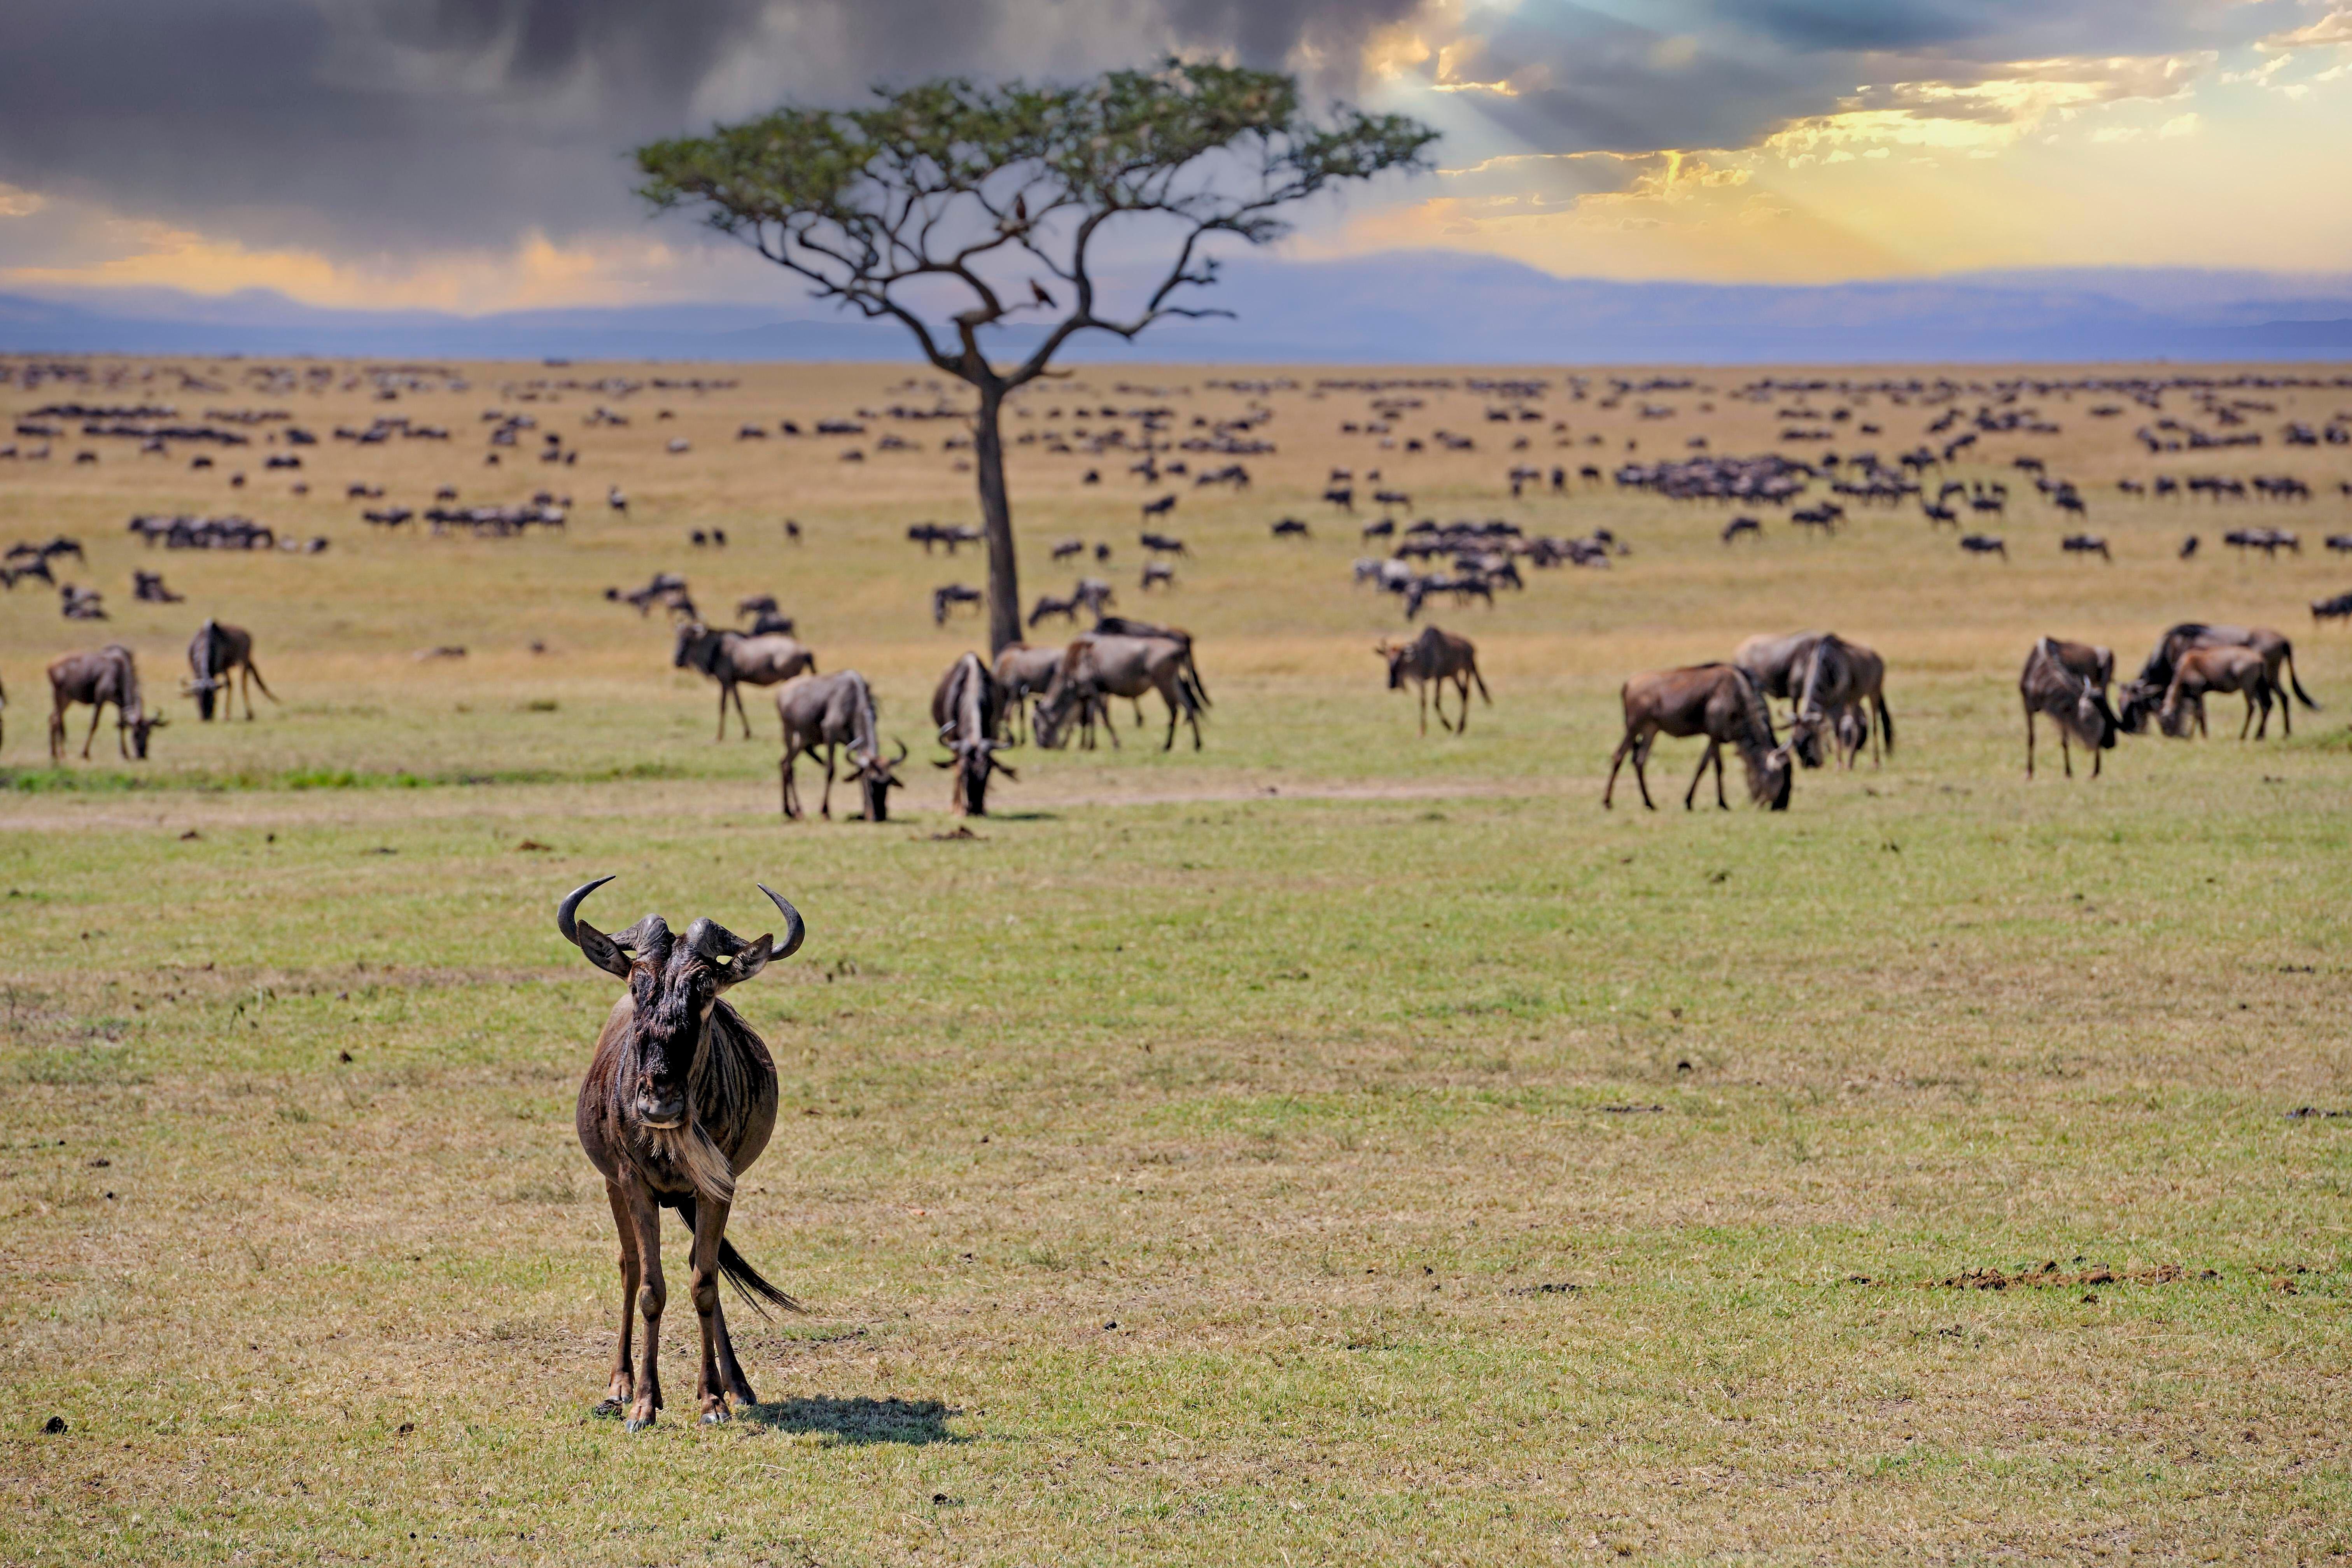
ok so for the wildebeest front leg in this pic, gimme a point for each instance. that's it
(653, 1293)
(97, 708)
(619, 1391)
(1462, 700)
(745, 719)
(2029, 740)
(710, 1386)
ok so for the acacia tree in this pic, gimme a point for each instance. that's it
(973, 205)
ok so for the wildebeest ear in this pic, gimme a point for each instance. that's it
(744, 965)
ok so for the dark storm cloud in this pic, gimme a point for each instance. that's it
(406, 126)
(403, 127)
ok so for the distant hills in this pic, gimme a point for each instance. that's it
(1396, 308)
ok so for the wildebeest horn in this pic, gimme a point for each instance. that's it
(894, 762)
(796, 928)
(601, 950)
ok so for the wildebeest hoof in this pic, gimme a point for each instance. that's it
(718, 1417)
(608, 1409)
(639, 1423)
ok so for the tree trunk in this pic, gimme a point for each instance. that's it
(996, 523)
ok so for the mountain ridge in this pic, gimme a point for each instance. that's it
(1398, 307)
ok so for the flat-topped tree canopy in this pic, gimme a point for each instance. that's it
(954, 207)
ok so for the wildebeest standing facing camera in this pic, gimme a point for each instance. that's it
(679, 1100)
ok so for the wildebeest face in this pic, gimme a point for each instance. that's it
(1805, 739)
(877, 779)
(1395, 657)
(2139, 700)
(1779, 778)
(144, 725)
(674, 989)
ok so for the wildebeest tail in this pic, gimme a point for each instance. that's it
(1885, 721)
(1192, 677)
(2296, 682)
(749, 1282)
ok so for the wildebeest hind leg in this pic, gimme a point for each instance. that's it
(2029, 741)
(95, 710)
(1690, 795)
(824, 803)
(1616, 760)
(731, 1370)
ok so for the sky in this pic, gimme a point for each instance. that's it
(472, 155)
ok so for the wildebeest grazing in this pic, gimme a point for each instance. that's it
(733, 659)
(1108, 664)
(1435, 658)
(2333, 609)
(1840, 686)
(1720, 702)
(100, 676)
(2066, 682)
(2142, 696)
(828, 712)
(969, 712)
(2086, 544)
(2217, 668)
(1983, 544)
(1023, 672)
(217, 655)
(678, 1100)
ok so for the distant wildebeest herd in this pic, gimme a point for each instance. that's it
(1831, 689)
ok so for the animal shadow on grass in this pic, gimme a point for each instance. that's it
(915, 1422)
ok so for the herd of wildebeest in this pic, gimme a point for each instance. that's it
(1831, 687)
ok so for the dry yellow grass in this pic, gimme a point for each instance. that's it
(1469, 1176)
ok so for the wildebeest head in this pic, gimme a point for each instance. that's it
(875, 780)
(2140, 699)
(674, 981)
(140, 725)
(973, 760)
(1396, 653)
(1771, 776)
(1805, 739)
(692, 638)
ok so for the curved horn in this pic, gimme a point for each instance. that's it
(796, 928)
(599, 949)
(569, 906)
(902, 751)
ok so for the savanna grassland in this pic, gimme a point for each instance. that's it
(1333, 1145)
